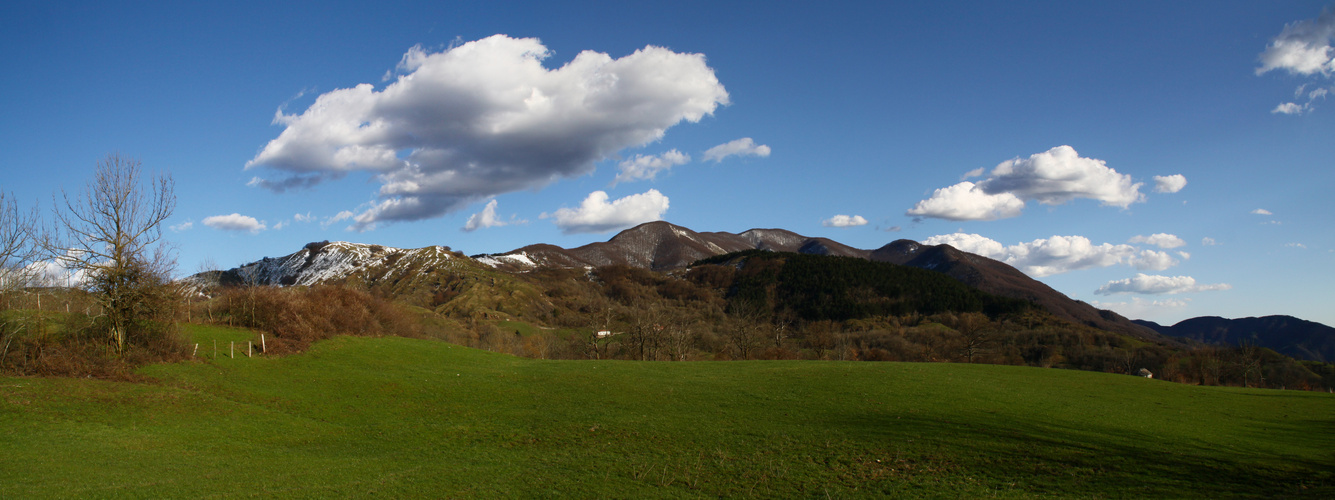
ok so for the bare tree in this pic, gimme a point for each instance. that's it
(680, 338)
(18, 247)
(646, 334)
(975, 335)
(111, 231)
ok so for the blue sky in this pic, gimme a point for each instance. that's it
(1075, 118)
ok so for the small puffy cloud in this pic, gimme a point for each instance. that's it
(1156, 285)
(1295, 245)
(184, 226)
(1262, 211)
(1161, 240)
(1052, 177)
(307, 217)
(1058, 254)
(740, 147)
(844, 221)
(1169, 183)
(487, 218)
(967, 201)
(1208, 241)
(647, 167)
(235, 222)
(598, 215)
(484, 118)
(977, 172)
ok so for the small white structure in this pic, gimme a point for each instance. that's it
(604, 333)
(1145, 372)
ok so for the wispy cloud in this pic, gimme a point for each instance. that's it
(1156, 285)
(740, 147)
(487, 218)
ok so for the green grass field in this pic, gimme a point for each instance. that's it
(399, 417)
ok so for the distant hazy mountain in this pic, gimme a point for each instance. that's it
(1286, 335)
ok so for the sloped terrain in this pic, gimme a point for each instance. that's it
(999, 278)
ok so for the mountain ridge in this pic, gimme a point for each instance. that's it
(659, 246)
(1287, 335)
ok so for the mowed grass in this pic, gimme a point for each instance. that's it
(398, 417)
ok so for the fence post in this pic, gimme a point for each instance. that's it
(196, 351)
(250, 348)
(231, 349)
(262, 347)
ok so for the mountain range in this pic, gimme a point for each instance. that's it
(1286, 335)
(658, 246)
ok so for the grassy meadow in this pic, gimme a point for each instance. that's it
(398, 417)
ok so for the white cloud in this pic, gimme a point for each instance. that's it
(844, 221)
(1052, 177)
(1056, 255)
(647, 167)
(1303, 48)
(1262, 211)
(184, 226)
(740, 147)
(1152, 260)
(488, 218)
(966, 201)
(56, 272)
(235, 222)
(1161, 240)
(1208, 241)
(341, 216)
(977, 172)
(596, 215)
(485, 118)
(1156, 285)
(1169, 183)
(307, 217)
(1291, 108)
(1295, 245)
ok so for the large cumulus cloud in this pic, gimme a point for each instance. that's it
(486, 118)
(1053, 177)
